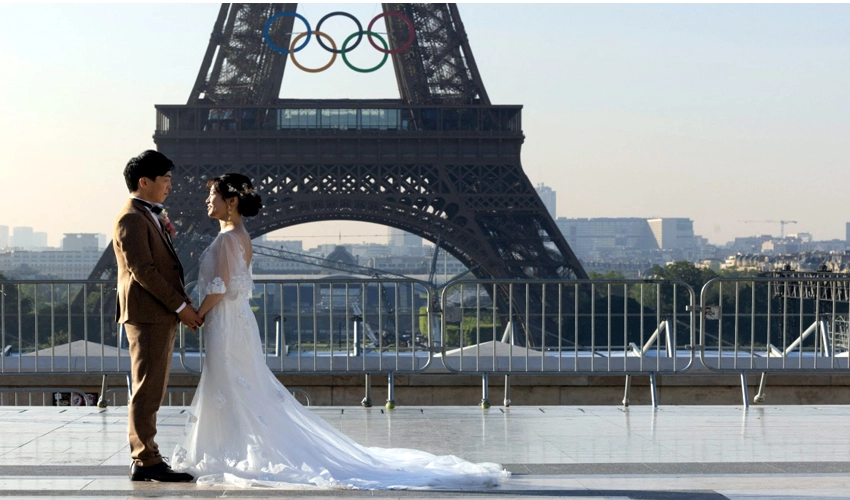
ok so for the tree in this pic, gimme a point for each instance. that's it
(610, 275)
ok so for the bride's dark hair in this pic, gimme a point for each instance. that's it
(230, 185)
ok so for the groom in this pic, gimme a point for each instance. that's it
(150, 300)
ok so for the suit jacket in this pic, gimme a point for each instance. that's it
(150, 276)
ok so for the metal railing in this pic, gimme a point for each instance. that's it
(483, 327)
(626, 327)
(60, 326)
(344, 326)
(780, 324)
(321, 326)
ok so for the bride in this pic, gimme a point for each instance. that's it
(244, 427)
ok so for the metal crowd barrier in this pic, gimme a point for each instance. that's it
(624, 327)
(321, 326)
(59, 327)
(346, 325)
(792, 324)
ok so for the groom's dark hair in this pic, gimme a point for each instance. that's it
(150, 164)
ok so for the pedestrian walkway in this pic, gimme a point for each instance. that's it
(593, 452)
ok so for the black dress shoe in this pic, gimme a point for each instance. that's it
(160, 472)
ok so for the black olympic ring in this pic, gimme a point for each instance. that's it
(346, 14)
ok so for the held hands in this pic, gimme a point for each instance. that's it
(189, 317)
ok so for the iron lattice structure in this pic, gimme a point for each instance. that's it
(441, 161)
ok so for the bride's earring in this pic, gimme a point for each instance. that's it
(229, 212)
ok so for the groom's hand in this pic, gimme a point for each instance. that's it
(190, 318)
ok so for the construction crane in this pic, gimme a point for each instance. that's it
(780, 222)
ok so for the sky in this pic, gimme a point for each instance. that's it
(721, 113)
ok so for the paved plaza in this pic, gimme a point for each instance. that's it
(591, 452)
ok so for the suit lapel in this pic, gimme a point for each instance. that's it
(174, 253)
(165, 238)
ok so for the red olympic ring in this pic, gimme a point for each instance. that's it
(406, 20)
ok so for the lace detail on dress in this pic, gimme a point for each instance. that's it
(222, 269)
(215, 286)
(243, 284)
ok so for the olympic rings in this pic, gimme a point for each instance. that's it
(281, 14)
(374, 68)
(404, 18)
(319, 36)
(344, 48)
(346, 14)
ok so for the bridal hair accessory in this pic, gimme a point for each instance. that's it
(166, 223)
(245, 191)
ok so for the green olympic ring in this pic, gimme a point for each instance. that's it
(374, 68)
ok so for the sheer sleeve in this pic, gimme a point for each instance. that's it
(225, 269)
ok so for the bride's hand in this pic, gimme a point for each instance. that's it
(202, 315)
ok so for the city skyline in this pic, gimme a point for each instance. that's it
(717, 113)
(395, 237)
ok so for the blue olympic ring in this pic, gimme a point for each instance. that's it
(281, 14)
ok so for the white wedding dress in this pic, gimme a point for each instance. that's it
(245, 428)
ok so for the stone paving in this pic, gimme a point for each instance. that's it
(592, 452)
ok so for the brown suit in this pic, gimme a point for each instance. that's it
(150, 290)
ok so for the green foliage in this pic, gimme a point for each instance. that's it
(739, 273)
(423, 321)
(662, 297)
(472, 331)
(610, 275)
(59, 338)
(42, 315)
(684, 271)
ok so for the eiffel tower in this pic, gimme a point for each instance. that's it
(441, 161)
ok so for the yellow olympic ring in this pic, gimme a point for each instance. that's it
(302, 68)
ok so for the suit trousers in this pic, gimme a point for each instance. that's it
(151, 348)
